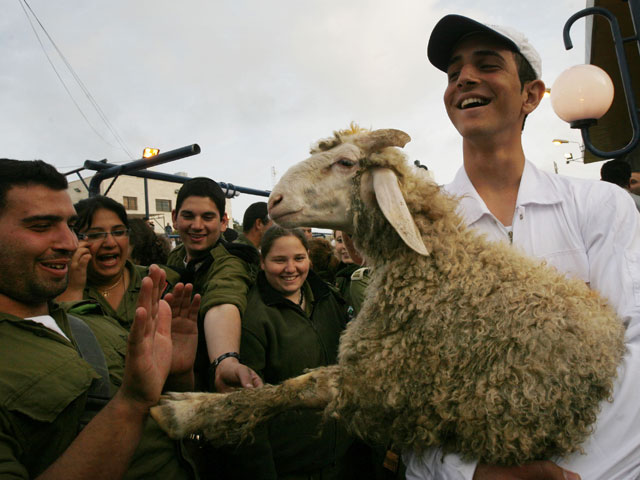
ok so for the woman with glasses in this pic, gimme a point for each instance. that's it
(100, 269)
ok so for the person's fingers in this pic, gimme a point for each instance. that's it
(195, 306)
(255, 379)
(144, 302)
(248, 378)
(84, 259)
(158, 278)
(545, 470)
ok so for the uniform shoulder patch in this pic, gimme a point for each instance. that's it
(360, 274)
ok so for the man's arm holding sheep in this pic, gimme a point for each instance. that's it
(435, 465)
(222, 326)
(611, 235)
(224, 301)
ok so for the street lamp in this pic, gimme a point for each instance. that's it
(580, 110)
(150, 152)
(569, 156)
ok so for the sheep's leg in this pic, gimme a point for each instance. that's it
(230, 418)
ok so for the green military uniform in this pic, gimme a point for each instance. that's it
(127, 309)
(242, 238)
(357, 287)
(280, 341)
(253, 267)
(43, 389)
(343, 282)
(221, 278)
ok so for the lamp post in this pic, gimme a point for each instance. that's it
(584, 93)
(568, 157)
(148, 153)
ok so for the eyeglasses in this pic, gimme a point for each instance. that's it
(100, 236)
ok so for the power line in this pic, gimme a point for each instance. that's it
(90, 97)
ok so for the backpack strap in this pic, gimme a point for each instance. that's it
(100, 390)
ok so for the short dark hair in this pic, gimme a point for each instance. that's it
(255, 211)
(275, 232)
(87, 208)
(616, 171)
(525, 74)
(202, 187)
(525, 70)
(24, 172)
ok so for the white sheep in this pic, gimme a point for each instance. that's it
(461, 343)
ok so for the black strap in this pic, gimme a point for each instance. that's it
(100, 389)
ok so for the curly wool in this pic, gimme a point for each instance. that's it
(475, 348)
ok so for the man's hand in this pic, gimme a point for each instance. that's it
(542, 470)
(184, 336)
(149, 345)
(231, 374)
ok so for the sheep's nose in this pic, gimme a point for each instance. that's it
(274, 200)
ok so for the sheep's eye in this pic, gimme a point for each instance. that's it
(346, 163)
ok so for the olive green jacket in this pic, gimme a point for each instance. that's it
(358, 284)
(242, 238)
(221, 278)
(43, 389)
(343, 282)
(280, 341)
(127, 309)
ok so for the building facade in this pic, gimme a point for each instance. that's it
(130, 192)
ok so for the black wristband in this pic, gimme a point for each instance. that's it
(216, 362)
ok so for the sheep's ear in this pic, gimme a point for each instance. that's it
(379, 139)
(395, 210)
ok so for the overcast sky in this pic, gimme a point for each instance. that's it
(253, 82)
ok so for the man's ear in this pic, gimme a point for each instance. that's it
(174, 217)
(532, 93)
(224, 222)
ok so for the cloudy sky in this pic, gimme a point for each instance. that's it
(253, 82)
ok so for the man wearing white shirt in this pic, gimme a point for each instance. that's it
(586, 229)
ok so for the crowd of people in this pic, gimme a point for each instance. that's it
(224, 311)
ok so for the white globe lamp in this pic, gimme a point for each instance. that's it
(581, 95)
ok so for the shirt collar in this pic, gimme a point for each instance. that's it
(536, 187)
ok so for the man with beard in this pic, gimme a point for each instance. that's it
(54, 367)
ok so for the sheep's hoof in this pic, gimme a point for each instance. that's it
(176, 413)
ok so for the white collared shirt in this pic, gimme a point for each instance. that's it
(590, 230)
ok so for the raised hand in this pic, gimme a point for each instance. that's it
(184, 335)
(149, 347)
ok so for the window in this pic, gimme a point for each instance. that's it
(163, 205)
(130, 203)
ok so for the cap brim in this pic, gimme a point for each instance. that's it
(449, 31)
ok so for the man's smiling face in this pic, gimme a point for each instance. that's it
(484, 95)
(199, 224)
(36, 245)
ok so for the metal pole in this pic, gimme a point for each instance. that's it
(143, 163)
(146, 198)
(229, 189)
(618, 41)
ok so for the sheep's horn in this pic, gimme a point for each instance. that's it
(379, 139)
(395, 210)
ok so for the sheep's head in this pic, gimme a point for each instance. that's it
(317, 192)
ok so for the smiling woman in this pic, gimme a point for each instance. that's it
(100, 269)
(293, 322)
